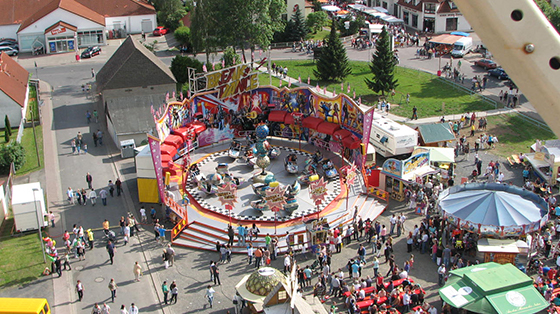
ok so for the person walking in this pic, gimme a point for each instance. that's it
(137, 270)
(51, 218)
(105, 309)
(414, 113)
(441, 274)
(210, 295)
(96, 309)
(92, 72)
(111, 186)
(174, 292)
(123, 309)
(89, 180)
(165, 290)
(70, 195)
(80, 290)
(103, 195)
(216, 273)
(95, 116)
(113, 288)
(111, 250)
(171, 254)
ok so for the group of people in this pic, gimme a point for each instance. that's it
(81, 196)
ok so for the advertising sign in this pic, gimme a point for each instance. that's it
(227, 195)
(232, 81)
(275, 199)
(155, 149)
(318, 190)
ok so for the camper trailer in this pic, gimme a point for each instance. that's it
(28, 206)
(391, 138)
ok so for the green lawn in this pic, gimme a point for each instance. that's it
(426, 93)
(21, 260)
(321, 34)
(28, 142)
(515, 134)
(32, 106)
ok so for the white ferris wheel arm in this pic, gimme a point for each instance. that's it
(526, 45)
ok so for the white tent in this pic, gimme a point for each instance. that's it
(391, 19)
(381, 9)
(330, 8)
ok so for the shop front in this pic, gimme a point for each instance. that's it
(61, 37)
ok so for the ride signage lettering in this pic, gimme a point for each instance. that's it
(232, 81)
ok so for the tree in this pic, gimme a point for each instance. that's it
(354, 25)
(204, 27)
(333, 62)
(316, 20)
(11, 153)
(169, 12)
(7, 125)
(382, 66)
(231, 57)
(317, 7)
(297, 28)
(183, 35)
(552, 14)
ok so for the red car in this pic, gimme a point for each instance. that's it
(160, 31)
(486, 64)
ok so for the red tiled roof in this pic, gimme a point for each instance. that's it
(445, 8)
(68, 5)
(410, 5)
(13, 79)
(187, 19)
(15, 11)
(110, 8)
(63, 24)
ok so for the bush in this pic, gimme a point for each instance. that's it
(231, 57)
(183, 35)
(11, 153)
(7, 126)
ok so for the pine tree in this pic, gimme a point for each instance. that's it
(7, 126)
(333, 63)
(382, 66)
(296, 28)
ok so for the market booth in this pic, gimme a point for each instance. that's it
(441, 159)
(492, 288)
(545, 162)
(501, 251)
(403, 172)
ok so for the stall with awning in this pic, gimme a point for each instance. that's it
(328, 128)
(392, 19)
(277, 116)
(312, 122)
(330, 8)
(492, 288)
(445, 39)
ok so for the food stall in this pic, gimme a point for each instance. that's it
(441, 158)
(403, 172)
(317, 231)
(545, 162)
(500, 251)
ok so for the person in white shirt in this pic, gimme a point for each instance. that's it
(501, 177)
(403, 274)
(406, 302)
(143, 214)
(92, 197)
(105, 309)
(287, 263)
(210, 295)
(70, 194)
(361, 294)
(133, 309)
(432, 310)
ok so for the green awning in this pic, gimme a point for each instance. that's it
(518, 301)
(492, 288)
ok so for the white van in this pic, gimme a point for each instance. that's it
(462, 47)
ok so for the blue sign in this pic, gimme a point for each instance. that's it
(52, 45)
(70, 45)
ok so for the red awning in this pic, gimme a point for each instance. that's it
(328, 128)
(277, 116)
(311, 122)
(342, 133)
(289, 119)
(351, 142)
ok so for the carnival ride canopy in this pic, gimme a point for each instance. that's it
(493, 204)
(493, 289)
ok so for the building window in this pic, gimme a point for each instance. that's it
(451, 24)
(90, 38)
(385, 6)
(405, 17)
(429, 8)
(414, 20)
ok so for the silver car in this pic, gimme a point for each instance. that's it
(9, 50)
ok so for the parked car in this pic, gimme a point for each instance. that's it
(91, 51)
(9, 50)
(499, 73)
(486, 64)
(8, 43)
(160, 31)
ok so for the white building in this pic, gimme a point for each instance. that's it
(14, 90)
(55, 26)
(435, 16)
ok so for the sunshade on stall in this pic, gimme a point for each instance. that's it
(493, 209)
(330, 8)
(492, 288)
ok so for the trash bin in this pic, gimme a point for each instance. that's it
(127, 148)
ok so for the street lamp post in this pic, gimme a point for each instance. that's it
(39, 226)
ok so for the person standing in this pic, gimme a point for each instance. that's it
(111, 250)
(174, 292)
(126, 234)
(133, 309)
(89, 180)
(80, 290)
(137, 270)
(441, 274)
(70, 194)
(123, 309)
(216, 273)
(51, 218)
(113, 288)
(258, 257)
(92, 72)
(118, 184)
(231, 234)
(92, 197)
(241, 235)
(96, 309)
(210, 295)
(94, 135)
(171, 253)
(153, 213)
(111, 186)
(100, 137)
(105, 309)
(165, 290)
(103, 195)
(414, 113)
